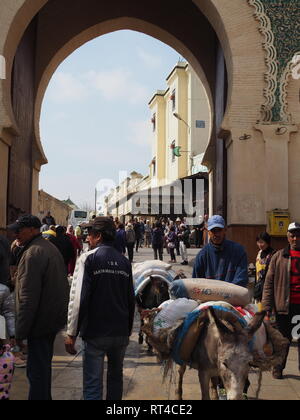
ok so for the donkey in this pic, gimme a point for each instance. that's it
(222, 351)
(154, 294)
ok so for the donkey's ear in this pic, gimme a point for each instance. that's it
(223, 329)
(256, 323)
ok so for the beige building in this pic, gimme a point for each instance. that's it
(59, 210)
(181, 118)
(245, 52)
(120, 202)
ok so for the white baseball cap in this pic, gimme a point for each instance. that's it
(294, 226)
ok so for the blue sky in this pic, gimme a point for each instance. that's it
(95, 118)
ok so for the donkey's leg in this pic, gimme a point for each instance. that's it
(178, 392)
(141, 335)
(214, 388)
(204, 379)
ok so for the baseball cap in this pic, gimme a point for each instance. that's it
(25, 221)
(100, 223)
(216, 221)
(294, 226)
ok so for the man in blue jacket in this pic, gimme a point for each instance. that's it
(102, 309)
(221, 259)
(224, 260)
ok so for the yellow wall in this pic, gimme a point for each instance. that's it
(59, 210)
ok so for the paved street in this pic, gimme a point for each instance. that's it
(142, 374)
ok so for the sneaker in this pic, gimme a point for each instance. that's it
(19, 363)
(245, 397)
(222, 394)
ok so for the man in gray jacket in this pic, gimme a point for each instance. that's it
(41, 302)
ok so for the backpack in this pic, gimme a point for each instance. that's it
(130, 236)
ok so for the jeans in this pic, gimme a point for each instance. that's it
(130, 250)
(172, 252)
(183, 251)
(93, 367)
(39, 367)
(138, 244)
(285, 326)
(158, 252)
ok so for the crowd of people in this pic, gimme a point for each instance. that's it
(164, 235)
(36, 301)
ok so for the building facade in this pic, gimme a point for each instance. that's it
(181, 121)
(245, 52)
(59, 209)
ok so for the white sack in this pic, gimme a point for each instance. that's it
(205, 290)
(172, 311)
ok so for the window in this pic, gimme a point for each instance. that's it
(173, 99)
(173, 145)
(80, 214)
(154, 166)
(153, 120)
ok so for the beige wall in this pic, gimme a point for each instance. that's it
(157, 107)
(198, 109)
(59, 210)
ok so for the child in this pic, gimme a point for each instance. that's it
(6, 363)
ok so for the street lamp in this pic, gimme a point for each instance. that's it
(181, 119)
(177, 150)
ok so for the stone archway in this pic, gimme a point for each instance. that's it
(190, 33)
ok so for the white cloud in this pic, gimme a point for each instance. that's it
(117, 84)
(150, 60)
(113, 85)
(67, 88)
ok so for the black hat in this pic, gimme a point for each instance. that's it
(100, 224)
(26, 221)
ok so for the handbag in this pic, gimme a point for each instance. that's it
(259, 285)
(258, 289)
(171, 245)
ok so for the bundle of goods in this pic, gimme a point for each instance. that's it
(171, 311)
(143, 272)
(178, 340)
(193, 324)
(206, 290)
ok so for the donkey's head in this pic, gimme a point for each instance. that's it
(234, 351)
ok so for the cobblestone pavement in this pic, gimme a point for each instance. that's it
(142, 373)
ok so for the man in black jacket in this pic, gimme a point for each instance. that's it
(104, 316)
